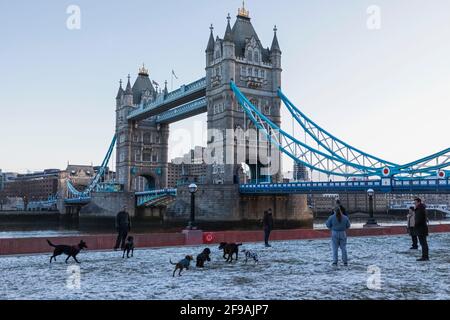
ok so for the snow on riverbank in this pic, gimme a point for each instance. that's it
(288, 270)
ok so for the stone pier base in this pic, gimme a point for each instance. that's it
(108, 204)
(223, 204)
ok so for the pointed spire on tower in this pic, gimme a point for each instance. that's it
(128, 90)
(275, 46)
(120, 92)
(228, 36)
(165, 88)
(210, 47)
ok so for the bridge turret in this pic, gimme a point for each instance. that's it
(210, 48)
(240, 56)
(119, 96)
(275, 57)
(128, 95)
(229, 55)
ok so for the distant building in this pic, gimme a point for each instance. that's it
(80, 176)
(300, 172)
(41, 185)
(1, 180)
(194, 156)
(191, 167)
(33, 186)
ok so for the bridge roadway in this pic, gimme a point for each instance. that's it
(429, 186)
(186, 95)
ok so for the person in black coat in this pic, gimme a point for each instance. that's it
(268, 226)
(421, 227)
(123, 226)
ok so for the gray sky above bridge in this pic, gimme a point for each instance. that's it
(385, 91)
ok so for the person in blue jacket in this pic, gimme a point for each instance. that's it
(338, 223)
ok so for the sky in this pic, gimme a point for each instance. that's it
(385, 90)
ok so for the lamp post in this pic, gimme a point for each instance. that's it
(371, 222)
(192, 189)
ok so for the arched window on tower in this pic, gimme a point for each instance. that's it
(256, 56)
(243, 71)
(147, 138)
(250, 55)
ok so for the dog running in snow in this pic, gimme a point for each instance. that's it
(230, 249)
(250, 255)
(70, 251)
(182, 264)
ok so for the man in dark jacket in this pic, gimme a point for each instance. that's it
(268, 226)
(421, 227)
(123, 226)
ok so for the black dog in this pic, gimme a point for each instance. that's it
(202, 257)
(182, 264)
(70, 251)
(230, 249)
(129, 247)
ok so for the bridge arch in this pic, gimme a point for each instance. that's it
(144, 182)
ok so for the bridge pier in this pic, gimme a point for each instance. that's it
(108, 204)
(223, 204)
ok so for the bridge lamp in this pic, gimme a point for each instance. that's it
(192, 189)
(371, 222)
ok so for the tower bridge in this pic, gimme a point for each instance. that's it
(240, 91)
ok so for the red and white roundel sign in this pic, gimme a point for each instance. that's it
(386, 172)
(209, 237)
(441, 174)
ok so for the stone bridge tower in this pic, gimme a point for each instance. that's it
(240, 56)
(142, 147)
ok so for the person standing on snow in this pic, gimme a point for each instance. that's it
(338, 223)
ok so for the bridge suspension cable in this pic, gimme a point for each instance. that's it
(338, 157)
(424, 167)
(73, 192)
(297, 150)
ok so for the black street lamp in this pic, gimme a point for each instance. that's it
(371, 222)
(192, 189)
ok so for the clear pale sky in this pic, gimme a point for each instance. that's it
(385, 91)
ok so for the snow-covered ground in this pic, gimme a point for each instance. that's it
(288, 270)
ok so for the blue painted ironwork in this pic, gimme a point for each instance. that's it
(380, 186)
(73, 193)
(425, 166)
(332, 144)
(338, 158)
(185, 111)
(78, 201)
(153, 197)
(109, 187)
(49, 204)
(184, 91)
(297, 150)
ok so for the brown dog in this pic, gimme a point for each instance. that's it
(230, 249)
(182, 264)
